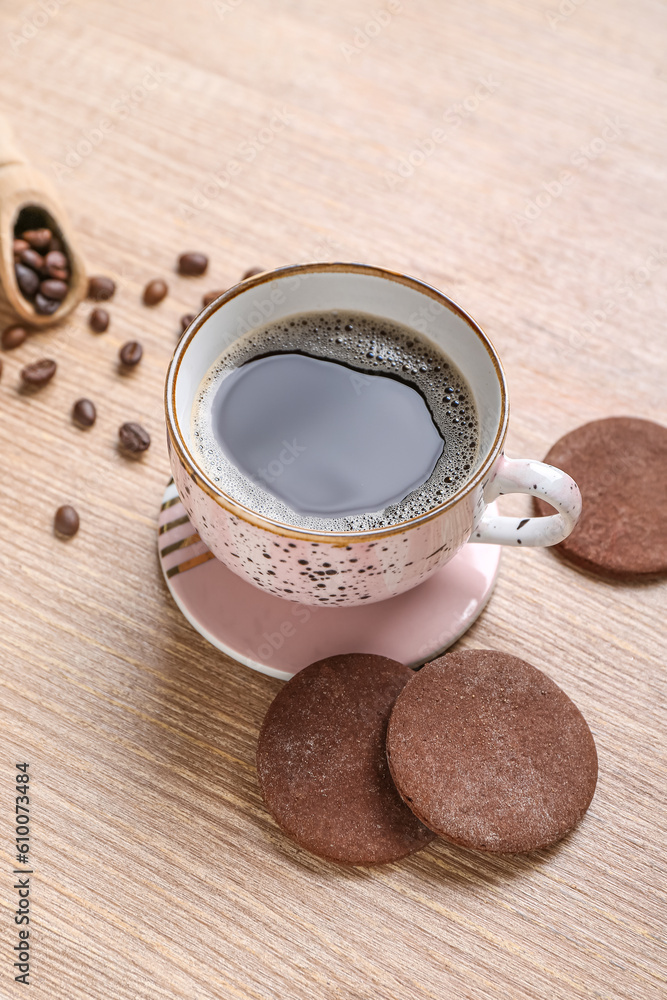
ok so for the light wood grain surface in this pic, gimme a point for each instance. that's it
(158, 873)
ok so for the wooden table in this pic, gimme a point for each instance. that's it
(423, 136)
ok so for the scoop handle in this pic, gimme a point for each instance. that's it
(9, 151)
(22, 186)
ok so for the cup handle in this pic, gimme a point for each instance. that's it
(521, 475)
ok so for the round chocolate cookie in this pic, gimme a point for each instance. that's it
(488, 752)
(620, 465)
(322, 765)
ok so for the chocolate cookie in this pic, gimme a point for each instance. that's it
(488, 752)
(322, 765)
(620, 465)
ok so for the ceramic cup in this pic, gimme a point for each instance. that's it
(329, 568)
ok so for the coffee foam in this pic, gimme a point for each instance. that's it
(372, 346)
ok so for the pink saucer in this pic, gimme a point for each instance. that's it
(279, 637)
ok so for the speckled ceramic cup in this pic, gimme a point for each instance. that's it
(348, 568)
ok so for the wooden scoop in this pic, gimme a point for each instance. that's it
(24, 191)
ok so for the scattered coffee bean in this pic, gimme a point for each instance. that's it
(211, 297)
(155, 291)
(27, 280)
(13, 337)
(99, 320)
(131, 353)
(66, 521)
(38, 239)
(53, 289)
(32, 259)
(84, 413)
(186, 320)
(192, 264)
(100, 288)
(39, 372)
(45, 306)
(251, 272)
(134, 438)
(19, 247)
(55, 260)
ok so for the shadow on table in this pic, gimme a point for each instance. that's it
(440, 863)
(227, 702)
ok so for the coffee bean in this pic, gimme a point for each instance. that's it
(39, 372)
(32, 259)
(54, 289)
(19, 247)
(155, 291)
(186, 320)
(99, 320)
(192, 264)
(13, 337)
(26, 279)
(100, 288)
(38, 239)
(84, 413)
(66, 521)
(44, 306)
(52, 266)
(251, 272)
(211, 297)
(55, 259)
(131, 353)
(134, 438)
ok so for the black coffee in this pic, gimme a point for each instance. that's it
(337, 420)
(327, 440)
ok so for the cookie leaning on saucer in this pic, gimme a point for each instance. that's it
(620, 466)
(322, 767)
(489, 752)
